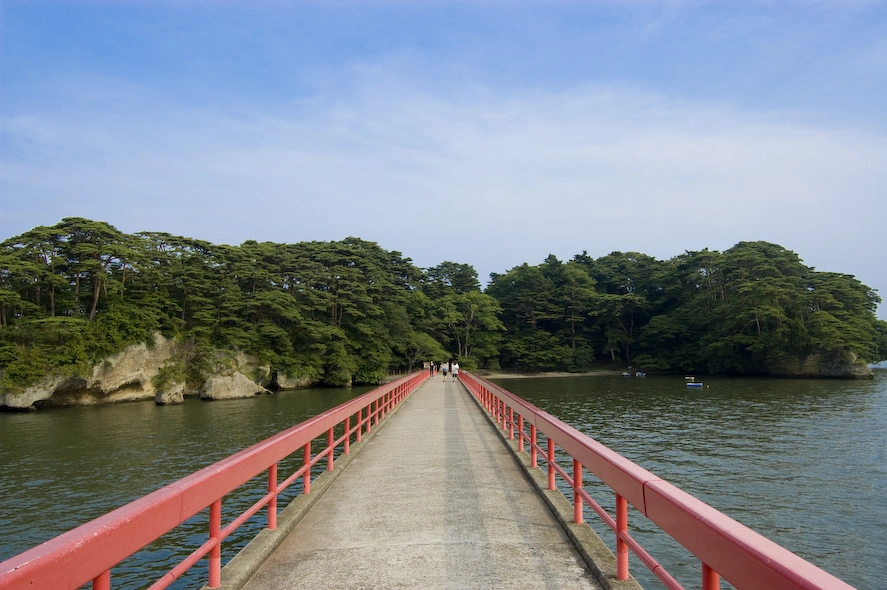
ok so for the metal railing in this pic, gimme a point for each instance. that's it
(725, 547)
(89, 552)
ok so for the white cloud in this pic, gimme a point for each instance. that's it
(466, 175)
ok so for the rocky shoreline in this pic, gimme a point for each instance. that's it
(137, 374)
(143, 372)
(507, 375)
(811, 367)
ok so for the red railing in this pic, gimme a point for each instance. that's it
(88, 552)
(724, 546)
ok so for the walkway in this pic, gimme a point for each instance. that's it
(434, 500)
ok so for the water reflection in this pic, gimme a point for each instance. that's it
(63, 467)
(796, 460)
(802, 462)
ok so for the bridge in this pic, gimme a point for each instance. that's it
(426, 484)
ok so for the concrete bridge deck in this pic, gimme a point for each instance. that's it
(434, 499)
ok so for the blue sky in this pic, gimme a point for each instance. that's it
(491, 132)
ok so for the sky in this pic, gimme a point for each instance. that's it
(492, 133)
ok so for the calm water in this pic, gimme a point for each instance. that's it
(62, 467)
(803, 462)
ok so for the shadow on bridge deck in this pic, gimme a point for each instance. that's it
(433, 499)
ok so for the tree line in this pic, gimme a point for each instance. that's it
(743, 311)
(331, 312)
(349, 311)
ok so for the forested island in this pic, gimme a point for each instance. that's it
(77, 295)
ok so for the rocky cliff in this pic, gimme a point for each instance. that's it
(132, 376)
(847, 366)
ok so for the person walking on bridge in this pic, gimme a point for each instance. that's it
(455, 371)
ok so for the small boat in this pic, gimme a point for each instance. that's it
(626, 374)
(640, 374)
(694, 384)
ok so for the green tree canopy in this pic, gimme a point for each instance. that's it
(349, 311)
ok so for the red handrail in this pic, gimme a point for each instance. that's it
(725, 547)
(88, 552)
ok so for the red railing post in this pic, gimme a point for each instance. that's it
(621, 546)
(272, 504)
(577, 488)
(520, 435)
(711, 580)
(510, 423)
(215, 554)
(534, 461)
(359, 423)
(329, 445)
(102, 581)
(306, 477)
(347, 435)
(550, 450)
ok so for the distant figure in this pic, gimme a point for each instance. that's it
(431, 369)
(455, 370)
(443, 370)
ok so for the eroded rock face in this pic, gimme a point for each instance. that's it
(34, 394)
(236, 385)
(130, 376)
(122, 377)
(815, 365)
(169, 395)
(287, 382)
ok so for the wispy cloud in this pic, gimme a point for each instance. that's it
(473, 175)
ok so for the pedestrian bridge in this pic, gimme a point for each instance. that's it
(427, 484)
